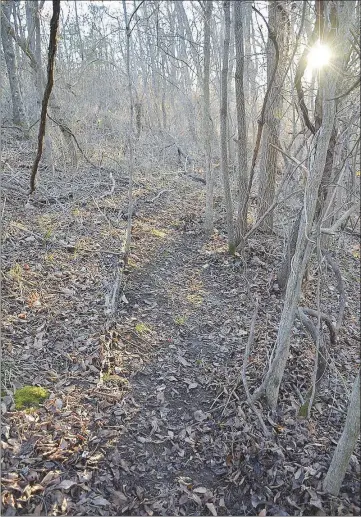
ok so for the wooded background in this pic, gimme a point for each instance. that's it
(222, 93)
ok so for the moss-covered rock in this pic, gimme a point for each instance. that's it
(30, 396)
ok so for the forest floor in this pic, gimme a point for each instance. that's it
(149, 416)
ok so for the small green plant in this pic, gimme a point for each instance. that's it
(141, 328)
(16, 272)
(116, 379)
(180, 320)
(132, 263)
(195, 299)
(48, 233)
(30, 396)
(157, 233)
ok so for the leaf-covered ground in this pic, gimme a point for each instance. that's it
(149, 416)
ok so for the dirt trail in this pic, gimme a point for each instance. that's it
(162, 448)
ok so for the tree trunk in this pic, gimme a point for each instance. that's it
(346, 444)
(130, 137)
(241, 126)
(207, 123)
(223, 126)
(54, 23)
(278, 22)
(19, 117)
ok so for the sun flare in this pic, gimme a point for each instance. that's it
(318, 56)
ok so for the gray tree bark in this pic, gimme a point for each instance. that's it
(19, 116)
(277, 19)
(207, 122)
(241, 126)
(223, 126)
(346, 444)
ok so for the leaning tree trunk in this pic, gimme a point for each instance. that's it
(241, 127)
(207, 123)
(346, 444)
(223, 126)
(54, 22)
(19, 117)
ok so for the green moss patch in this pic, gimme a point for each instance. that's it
(116, 379)
(158, 233)
(141, 328)
(30, 396)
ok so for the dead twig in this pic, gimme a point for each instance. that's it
(158, 195)
(242, 375)
(244, 368)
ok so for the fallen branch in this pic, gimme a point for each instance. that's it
(196, 178)
(333, 229)
(158, 195)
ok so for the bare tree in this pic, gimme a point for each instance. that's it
(207, 122)
(19, 116)
(279, 24)
(241, 126)
(224, 124)
(54, 22)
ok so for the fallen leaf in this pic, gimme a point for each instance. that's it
(66, 484)
(199, 416)
(200, 490)
(160, 397)
(38, 509)
(212, 509)
(183, 361)
(58, 403)
(192, 385)
(100, 501)
(49, 477)
(119, 498)
(183, 499)
(197, 499)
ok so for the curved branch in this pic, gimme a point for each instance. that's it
(323, 317)
(353, 87)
